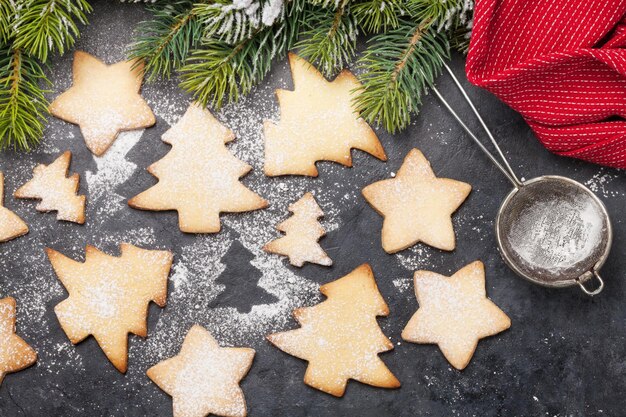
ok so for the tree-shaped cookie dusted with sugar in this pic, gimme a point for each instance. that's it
(199, 177)
(204, 378)
(302, 232)
(15, 353)
(417, 205)
(103, 100)
(318, 121)
(56, 190)
(11, 225)
(109, 296)
(455, 313)
(340, 337)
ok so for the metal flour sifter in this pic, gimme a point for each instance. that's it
(551, 230)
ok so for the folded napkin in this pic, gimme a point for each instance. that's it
(561, 65)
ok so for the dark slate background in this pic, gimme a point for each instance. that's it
(565, 354)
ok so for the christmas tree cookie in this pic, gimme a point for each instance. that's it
(103, 100)
(454, 313)
(15, 353)
(109, 296)
(417, 206)
(204, 378)
(199, 177)
(340, 337)
(318, 121)
(11, 225)
(302, 231)
(56, 190)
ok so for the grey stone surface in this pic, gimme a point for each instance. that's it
(565, 354)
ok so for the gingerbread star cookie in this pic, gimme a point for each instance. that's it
(318, 121)
(103, 100)
(302, 231)
(15, 353)
(454, 312)
(109, 296)
(56, 191)
(204, 378)
(199, 177)
(340, 337)
(11, 225)
(417, 206)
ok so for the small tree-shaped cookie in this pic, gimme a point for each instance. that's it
(11, 225)
(340, 337)
(199, 177)
(56, 191)
(109, 295)
(302, 232)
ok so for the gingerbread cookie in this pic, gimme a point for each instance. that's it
(109, 296)
(15, 353)
(417, 206)
(56, 191)
(103, 100)
(11, 225)
(318, 121)
(340, 337)
(199, 177)
(454, 313)
(302, 231)
(204, 378)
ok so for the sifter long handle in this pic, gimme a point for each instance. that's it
(504, 166)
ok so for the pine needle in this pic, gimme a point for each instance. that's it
(329, 40)
(397, 68)
(45, 26)
(23, 106)
(164, 42)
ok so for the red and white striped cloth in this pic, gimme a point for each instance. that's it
(559, 63)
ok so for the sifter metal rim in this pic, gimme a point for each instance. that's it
(566, 282)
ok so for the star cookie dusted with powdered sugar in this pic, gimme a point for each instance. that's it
(454, 313)
(417, 206)
(15, 353)
(103, 100)
(204, 378)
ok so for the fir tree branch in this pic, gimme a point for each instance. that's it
(164, 42)
(375, 16)
(398, 67)
(330, 38)
(23, 106)
(222, 19)
(45, 26)
(7, 13)
(220, 72)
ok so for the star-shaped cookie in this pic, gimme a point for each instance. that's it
(454, 313)
(103, 100)
(417, 206)
(204, 378)
(15, 353)
(11, 225)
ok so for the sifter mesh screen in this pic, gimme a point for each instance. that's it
(552, 230)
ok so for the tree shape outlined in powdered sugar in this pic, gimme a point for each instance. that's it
(240, 280)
